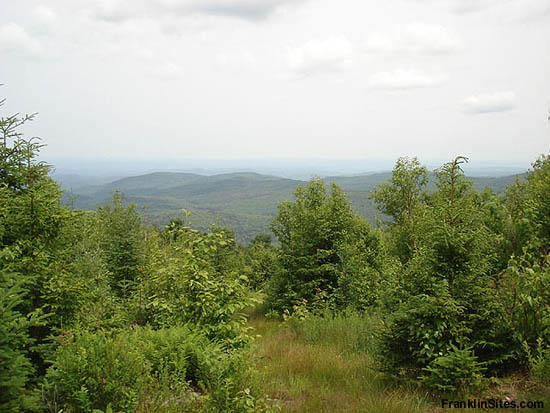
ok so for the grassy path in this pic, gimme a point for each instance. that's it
(325, 365)
(321, 372)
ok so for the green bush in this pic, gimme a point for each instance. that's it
(181, 286)
(30, 222)
(422, 330)
(311, 231)
(15, 365)
(365, 270)
(526, 299)
(261, 261)
(94, 370)
(541, 367)
(446, 297)
(79, 291)
(456, 372)
(131, 369)
(122, 241)
(539, 360)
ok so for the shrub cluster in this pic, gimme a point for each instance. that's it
(145, 370)
(460, 279)
(99, 311)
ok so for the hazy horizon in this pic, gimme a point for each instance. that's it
(303, 169)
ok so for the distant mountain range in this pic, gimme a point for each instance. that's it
(243, 201)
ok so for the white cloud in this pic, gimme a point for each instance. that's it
(415, 38)
(142, 53)
(45, 21)
(236, 60)
(167, 70)
(404, 80)
(504, 11)
(44, 15)
(530, 10)
(334, 54)
(467, 6)
(489, 102)
(14, 38)
(470, 6)
(117, 10)
(144, 61)
(245, 9)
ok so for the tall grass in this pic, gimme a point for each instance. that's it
(350, 332)
(325, 364)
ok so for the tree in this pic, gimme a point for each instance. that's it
(527, 277)
(400, 199)
(537, 209)
(260, 261)
(262, 239)
(30, 217)
(449, 310)
(122, 241)
(15, 364)
(310, 230)
(402, 194)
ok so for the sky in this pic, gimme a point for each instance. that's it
(260, 79)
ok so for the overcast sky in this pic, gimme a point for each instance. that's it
(239, 79)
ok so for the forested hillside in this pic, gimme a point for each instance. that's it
(245, 202)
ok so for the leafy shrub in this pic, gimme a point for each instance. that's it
(539, 360)
(143, 367)
(79, 292)
(541, 367)
(261, 261)
(422, 330)
(526, 298)
(400, 198)
(365, 269)
(93, 370)
(181, 286)
(537, 206)
(299, 313)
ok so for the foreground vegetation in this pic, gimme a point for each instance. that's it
(327, 363)
(101, 312)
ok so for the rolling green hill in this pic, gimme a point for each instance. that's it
(245, 202)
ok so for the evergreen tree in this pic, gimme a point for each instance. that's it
(122, 240)
(310, 230)
(448, 301)
(30, 218)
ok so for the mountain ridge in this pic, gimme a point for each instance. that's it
(243, 201)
